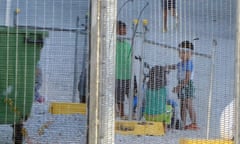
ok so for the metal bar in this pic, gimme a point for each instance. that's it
(8, 10)
(102, 72)
(170, 47)
(83, 77)
(175, 48)
(237, 78)
(141, 92)
(131, 93)
(212, 76)
(107, 57)
(82, 30)
(94, 46)
(75, 64)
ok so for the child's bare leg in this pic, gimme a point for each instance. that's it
(164, 20)
(174, 14)
(183, 111)
(192, 113)
(165, 126)
(121, 109)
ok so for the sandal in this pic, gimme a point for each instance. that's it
(192, 126)
(124, 117)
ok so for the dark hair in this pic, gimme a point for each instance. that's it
(186, 44)
(121, 24)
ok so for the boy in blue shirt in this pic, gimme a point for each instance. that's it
(185, 89)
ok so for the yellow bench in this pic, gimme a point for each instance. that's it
(67, 108)
(125, 127)
(204, 141)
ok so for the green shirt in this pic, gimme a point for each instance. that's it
(123, 60)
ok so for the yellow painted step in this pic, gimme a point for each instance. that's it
(123, 127)
(67, 108)
(139, 128)
(204, 141)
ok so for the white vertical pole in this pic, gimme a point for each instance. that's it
(8, 11)
(107, 87)
(102, 72)
(93, 72)
(237, 77)
(212, 76)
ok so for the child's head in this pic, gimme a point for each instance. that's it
(185, 49)
(121, 28)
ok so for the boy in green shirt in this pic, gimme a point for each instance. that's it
(123, 67)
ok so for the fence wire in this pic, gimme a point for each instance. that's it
(210, 25)
(155, 45)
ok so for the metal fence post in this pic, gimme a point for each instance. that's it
(8, 11)
(102, 71)
(75, 62)
(237, 78)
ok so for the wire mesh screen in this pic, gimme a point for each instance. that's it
(199, 111)
(175, 71)
(48, 38)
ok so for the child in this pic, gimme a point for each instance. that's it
(123, 67)
(38, 84)
(171, 6)
(156, 108)
(185, 89)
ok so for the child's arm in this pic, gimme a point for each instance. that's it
(170, 67)
(183, 83)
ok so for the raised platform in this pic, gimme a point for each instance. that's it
(125, 127)
(205, 141)
(67, 108)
